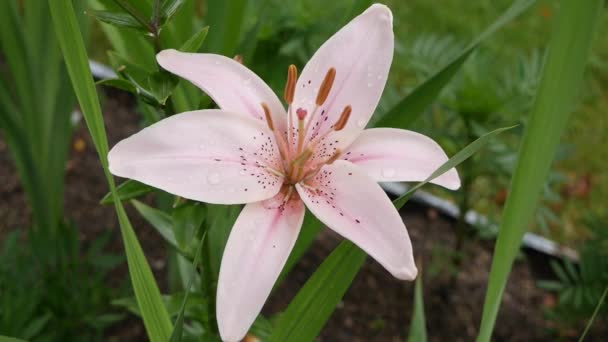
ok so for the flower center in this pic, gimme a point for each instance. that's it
(298, 154)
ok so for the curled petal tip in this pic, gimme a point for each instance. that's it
(382, 11)
(164, 55)
(405, 273)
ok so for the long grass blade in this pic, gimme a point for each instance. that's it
(595, 312)
(156, 319)
(560, 82)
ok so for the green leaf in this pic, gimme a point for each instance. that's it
(169, 8)
(156, 320)
(127, 190)
(314, 303)
(10, 339)
(456, 159)
(134, 12)
(418, 324)
(226, 19)
(176, 335)
(160, 220)
(161, 84)
(119, 83)
(410, 108)
(172, 303)
(194, 43)
(559, 88)
(118, 19)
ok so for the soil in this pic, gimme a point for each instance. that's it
(377, 307)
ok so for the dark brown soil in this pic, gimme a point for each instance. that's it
(376, 308)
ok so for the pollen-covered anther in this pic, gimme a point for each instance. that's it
(290, 87)
(343, 120)
(328, 82)
(268, 116)
(238, 59)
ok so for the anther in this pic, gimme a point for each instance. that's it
(268, 116)
(238, 59)
(339, 125)
(328, 82)
(290, 87)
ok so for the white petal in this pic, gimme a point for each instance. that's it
(351, 203)
(208, 155)
(230, 84)
(255, 254)
(398, 155)
(361, 52)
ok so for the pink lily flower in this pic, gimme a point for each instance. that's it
(315, 154)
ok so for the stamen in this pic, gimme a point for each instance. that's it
(328, 82)
(268, 116)
(238, 58)
(301, 113)
(339, 125)
(290, 87)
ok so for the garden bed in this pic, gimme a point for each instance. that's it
(377, 306)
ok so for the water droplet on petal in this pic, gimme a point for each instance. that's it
(361, 123)
(202, 147)
(379, 77)
(242, 172)
(369, 74)
(388, 172)
(213, 178)
(370, 84)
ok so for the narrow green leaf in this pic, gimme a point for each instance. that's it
(169, 8)
(418, 324)
(118, 19)
(313, 305)
(160, 220)
(559, 88)
(226, 19)
(410, 108)
(119, 83)
(456, 159)
(155, 316)
(176, 335)
(10, 339)
(127, 190)
(172, 302)
(194, 43)
(134, 12)
(595, 312)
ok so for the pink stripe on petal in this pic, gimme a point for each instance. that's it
(255, 254)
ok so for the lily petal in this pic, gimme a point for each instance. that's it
(257, 249)
(398, 155)
(208, 155)
(361, 52)
(229, 83)
(348, 201)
